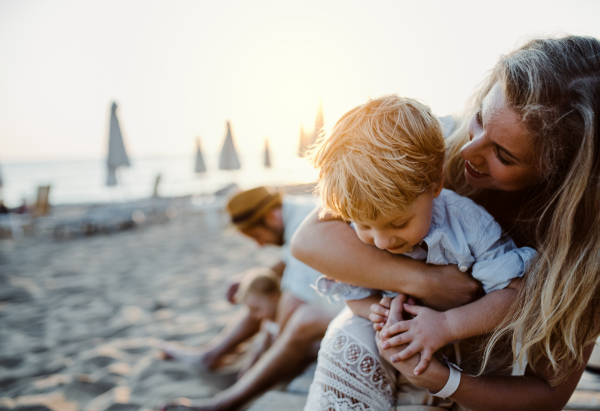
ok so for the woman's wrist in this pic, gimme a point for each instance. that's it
(452, 383)
(436, 377)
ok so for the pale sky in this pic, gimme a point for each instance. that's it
(180, 69)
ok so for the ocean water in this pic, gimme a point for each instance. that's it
(75, 182)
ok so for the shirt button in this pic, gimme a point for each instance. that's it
(463, 268)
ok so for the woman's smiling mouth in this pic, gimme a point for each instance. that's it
(474, 171)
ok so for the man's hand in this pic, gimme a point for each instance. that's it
(426, 333)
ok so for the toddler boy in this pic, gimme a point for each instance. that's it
(381, 168)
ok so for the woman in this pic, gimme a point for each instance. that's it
(528, 154)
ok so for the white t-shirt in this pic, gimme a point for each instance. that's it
(297, 276)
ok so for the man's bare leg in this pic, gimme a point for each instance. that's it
(239, 329)
(288, 355)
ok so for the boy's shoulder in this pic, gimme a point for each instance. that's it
(451, 205)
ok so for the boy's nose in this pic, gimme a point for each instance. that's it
(382, 241)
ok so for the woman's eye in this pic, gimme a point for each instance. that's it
(500, 158)
(478, 118)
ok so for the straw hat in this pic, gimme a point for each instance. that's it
(248, 207)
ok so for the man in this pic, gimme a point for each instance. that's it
(303, 317)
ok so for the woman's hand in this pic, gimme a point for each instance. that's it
(434, 378)
(380, 312)
(434, 373)
(426, 333)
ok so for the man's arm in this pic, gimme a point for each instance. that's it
(333, 248)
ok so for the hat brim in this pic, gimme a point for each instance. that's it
(258, 213)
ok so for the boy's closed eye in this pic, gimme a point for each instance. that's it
(399, 225)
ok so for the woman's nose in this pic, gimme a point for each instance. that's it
(472, 148)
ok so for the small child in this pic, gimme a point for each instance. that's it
(260, 291)
(381, 168)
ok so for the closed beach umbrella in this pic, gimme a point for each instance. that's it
(267, 154)
(117, 156)
(200, 167)
(229, 158)
(318, 123)
(303, 145)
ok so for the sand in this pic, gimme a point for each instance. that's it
(81, 319)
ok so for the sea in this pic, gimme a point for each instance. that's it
(84, 181)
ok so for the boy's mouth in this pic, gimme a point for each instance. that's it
(392, 249)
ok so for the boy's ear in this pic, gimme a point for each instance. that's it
(439, 188)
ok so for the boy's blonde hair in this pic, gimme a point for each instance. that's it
(379, 158)
(259, 280)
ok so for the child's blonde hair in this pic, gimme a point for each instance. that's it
(259, 280)
(379, 158)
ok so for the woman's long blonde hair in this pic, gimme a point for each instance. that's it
(554, 85)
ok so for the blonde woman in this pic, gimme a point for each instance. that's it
(528, 153)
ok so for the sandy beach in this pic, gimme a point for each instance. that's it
(81, 319)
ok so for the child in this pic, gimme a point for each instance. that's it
(259, 291)
(381, 168)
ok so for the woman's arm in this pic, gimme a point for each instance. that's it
(497, 393)
(333, 248)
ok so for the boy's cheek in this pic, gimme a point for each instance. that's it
(364, 238)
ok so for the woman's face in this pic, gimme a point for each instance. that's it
(500, 154)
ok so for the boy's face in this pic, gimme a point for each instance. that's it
(400, 232)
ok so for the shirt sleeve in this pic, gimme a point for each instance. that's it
(334, 290)
(500, 263)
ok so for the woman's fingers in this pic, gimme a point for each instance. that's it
(386, 301)
(413, 309)
(379, 309)
(426, 355)
(378, 326)
(376, 318)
